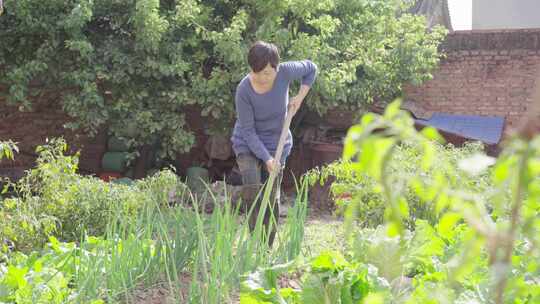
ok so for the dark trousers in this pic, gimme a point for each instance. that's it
(254, 175)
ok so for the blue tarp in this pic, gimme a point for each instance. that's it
(487, 129)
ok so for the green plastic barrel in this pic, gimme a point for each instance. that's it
(116, 144)
(114, 161)
(196, 177)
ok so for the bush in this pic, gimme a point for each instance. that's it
(52, 199)
(359, 192)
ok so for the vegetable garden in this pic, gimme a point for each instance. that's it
(417, 220)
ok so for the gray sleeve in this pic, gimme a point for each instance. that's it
(305, 70)
(246, 120)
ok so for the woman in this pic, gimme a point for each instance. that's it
(262, 102)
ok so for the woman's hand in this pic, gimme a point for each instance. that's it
(294, 104)
(296, 101)
(272, 165)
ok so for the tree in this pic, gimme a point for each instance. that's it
(136, 64)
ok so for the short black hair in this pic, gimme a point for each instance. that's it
(261, 54)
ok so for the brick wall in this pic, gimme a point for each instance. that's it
(46, 120)
(31, 128)
(484, 73)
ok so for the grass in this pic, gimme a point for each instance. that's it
(323, 232)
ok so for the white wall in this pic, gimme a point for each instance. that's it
(461, 14)
(505, 14)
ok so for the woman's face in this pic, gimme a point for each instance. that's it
(266, 76)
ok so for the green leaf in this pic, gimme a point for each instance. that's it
(374, 298)
(534, 167)
(351, 140)
(262, 286)
(446, 225)
(367, 119)
(290, 295)
(361, 287)
(431, 133)
(248, 298)
(392, 110)
(502, 169)
(393, 229)
(443, 201)
(375, 247)
(38, 265)
(318, 290)
(15, 277)
(373, 150)
(403, 208)
(328, 261)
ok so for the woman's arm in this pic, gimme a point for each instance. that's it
(305, 70)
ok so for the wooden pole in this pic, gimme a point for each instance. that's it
(272, 177)
(281, 144)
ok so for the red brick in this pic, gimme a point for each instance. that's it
(482, 81)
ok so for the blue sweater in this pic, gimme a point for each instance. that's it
(260, 117)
